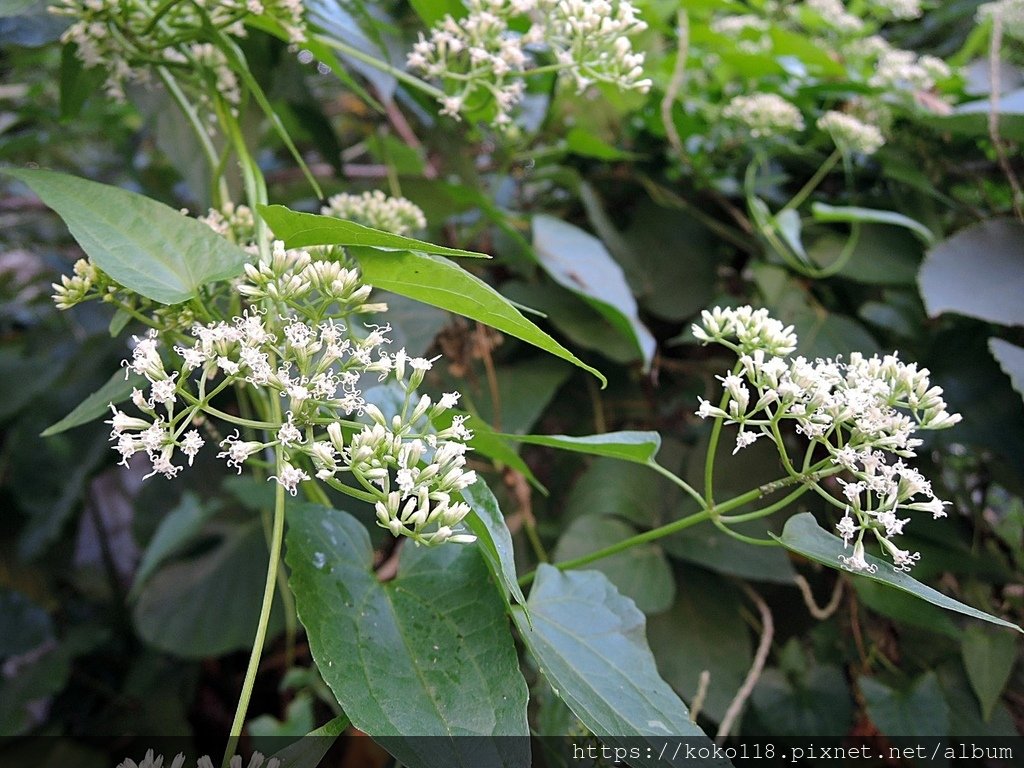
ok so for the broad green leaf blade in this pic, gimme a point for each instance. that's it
(487, 522)
(179, 527)
(116, 390)
(855, 215)
(427, 654)
(919, 710)
(803, 535)
(977, 272)
(703, 630)
(441, 283)
(1011, 359)
(308, 751)
(589, 641)
(988, 658)
(208, 605)
(145, 245)
(639, 447)
(491, 444)
(301, 230)
(641, 573)
(579, 262)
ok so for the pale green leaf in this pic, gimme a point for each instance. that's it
(145, 245)
(978, 272)
(639, 447)
(590, 644)
(116, 390)
(988, 658)
(641, 573)
(1011, 359)
(426, 654)
(487, 522)
(853, 215)
(803, 535)
(441, 283)
(579, 262)
(301, 230)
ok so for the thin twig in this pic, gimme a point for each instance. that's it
(703, 683)
(833, 603)
(675, 84)
(760, 657)
(995, 47)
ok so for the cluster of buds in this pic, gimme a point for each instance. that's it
(851, 134)
(863, 412)
(764, 114)
(128, 39)
(296, 342)
(481, 59)
(377, 210)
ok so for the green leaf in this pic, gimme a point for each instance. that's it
(977, 272)
(432, 11)
(145, 245)
(639, 447)
(803, 535)
(905, 608)
(491, 444)
(988, 658)
(208, 605)
(1011, 359)
(590, 644)
(854, 215)
(972, 117)
(309, 751)
(176, 529)
(441, 283)
(641, 573)
(487, 522)
(717, 551)
(580, 263)
(427, 654)
(300, 230)
(917, 711)
(582, 142)
(703, 630)
(116, 390)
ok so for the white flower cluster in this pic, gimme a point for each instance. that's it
(157, 761)
(863, 413)
(315, 370)
(834, 14)
(851, 134)
(129, 37)
(898, 9)
(481, 59)
(1010, 12)
(377, 210)
(764, 114)
(894, 69)
(234, 222)
(749, 31)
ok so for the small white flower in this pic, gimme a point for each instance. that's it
(857, 562)
(191, 443)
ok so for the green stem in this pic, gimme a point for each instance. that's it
(277, 537)
(632, 541)
(197, 127)
(813, 182)
(383, 66)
